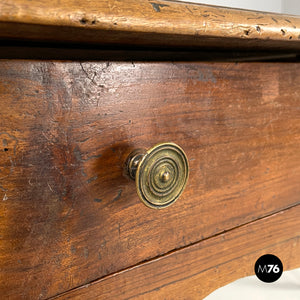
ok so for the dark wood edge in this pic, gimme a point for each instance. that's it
(48, 51)
(147, 23)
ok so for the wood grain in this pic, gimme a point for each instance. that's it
(196, 271)
(68, 216)
(147, 23)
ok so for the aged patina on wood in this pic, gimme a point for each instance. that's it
(68, 214)
(196, 271)
(147, 23)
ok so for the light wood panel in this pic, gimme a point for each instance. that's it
(147, 23)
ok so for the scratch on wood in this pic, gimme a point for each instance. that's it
(157, 6)
(92, 179)
(50, 188)
(118, 196)
(91, 157)
(3, 189)
(188, 9)
(256, 18)
(290, 23)
(84, 140)
(87, 75)
(5, 198)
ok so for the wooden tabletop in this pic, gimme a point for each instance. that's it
(147, 23)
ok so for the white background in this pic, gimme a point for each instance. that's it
(277, 6)
(287, 287)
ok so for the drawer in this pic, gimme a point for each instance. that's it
(70, 216)
(195, 271)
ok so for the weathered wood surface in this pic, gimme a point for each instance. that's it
(146, 23)
(68, 216)
(196, 271)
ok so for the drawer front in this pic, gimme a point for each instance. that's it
(69, 215)
(195, 271)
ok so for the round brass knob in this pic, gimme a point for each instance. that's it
(161, 174)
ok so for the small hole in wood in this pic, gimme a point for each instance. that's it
(83, 21)
(257, 28)
(5, 149)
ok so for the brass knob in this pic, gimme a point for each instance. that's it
(161, 174)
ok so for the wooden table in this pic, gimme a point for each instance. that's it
(82, 84)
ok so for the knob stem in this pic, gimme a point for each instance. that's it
(133, 162)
